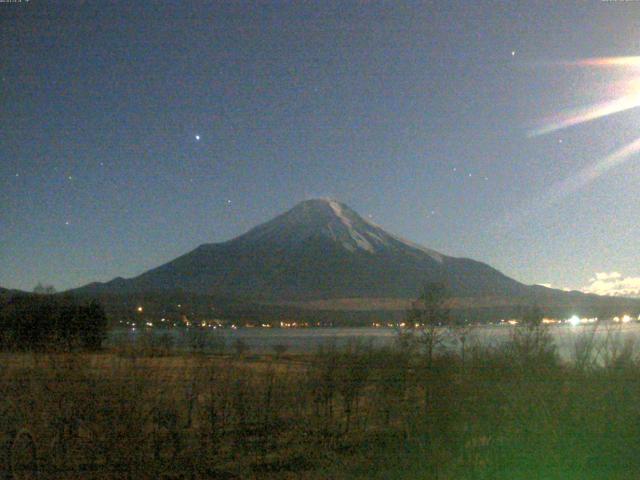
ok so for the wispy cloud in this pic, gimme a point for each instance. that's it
(614, 284)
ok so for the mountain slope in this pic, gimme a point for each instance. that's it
(320, 249)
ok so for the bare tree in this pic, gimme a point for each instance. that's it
(44, 289)
(531, 343)
(428, 319)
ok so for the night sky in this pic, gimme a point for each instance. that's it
(133, 133)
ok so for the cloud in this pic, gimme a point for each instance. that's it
(614, 284)
(606, 276)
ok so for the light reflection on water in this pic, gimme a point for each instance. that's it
(308, 340)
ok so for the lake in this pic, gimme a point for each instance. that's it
(301, 340)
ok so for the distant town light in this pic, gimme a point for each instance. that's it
(139, 309)
(574, 321)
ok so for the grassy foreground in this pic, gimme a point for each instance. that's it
(515, 413)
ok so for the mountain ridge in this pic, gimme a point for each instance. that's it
(323, 251)
(318, 242)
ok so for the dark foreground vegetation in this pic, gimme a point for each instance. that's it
(38, 322)
(413, 412)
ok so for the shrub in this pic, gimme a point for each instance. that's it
(39, 322)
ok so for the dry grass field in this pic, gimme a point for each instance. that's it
(516, 412)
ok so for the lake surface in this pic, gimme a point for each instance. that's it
(263, 340)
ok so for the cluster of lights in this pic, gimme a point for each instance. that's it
(574, 321)
(284, 324)
(382, 325)
(511, 321)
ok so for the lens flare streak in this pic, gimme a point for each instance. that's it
(630, 61)
(628, 96)
(587, 114)
(593, 171)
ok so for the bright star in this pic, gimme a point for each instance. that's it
(197, 137)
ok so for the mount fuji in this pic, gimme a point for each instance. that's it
(322, 253)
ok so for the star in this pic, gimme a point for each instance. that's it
(197, 138)
(70, 177)
(67, 222)
(513, 53)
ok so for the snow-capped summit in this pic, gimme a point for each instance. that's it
(335, 221)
